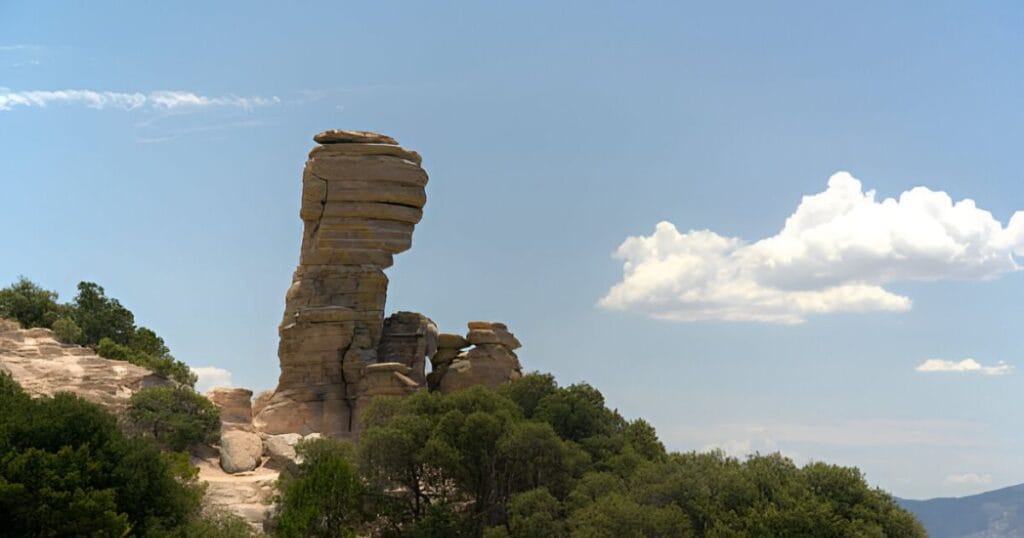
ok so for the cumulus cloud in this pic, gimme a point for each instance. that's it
(159, 100)
(969, 478)
(211, 376)
(966, 365)
(835, 253)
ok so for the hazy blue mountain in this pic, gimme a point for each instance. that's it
(998, 513)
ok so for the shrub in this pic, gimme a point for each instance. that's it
(30, 305)
(66, 469)
(176, 418)
(165, 365)
(325, 497)
(67, 331)
(94, 320)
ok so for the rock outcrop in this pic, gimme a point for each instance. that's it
(362, 194)
(489, 363)
(44, 366)
(235, 405)
(409, 338)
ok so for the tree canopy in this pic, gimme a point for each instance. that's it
(66, 469)
(535, 459)
(92, 319)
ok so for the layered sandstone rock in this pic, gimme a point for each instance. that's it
(489, 363)
(235, 406)
(409, 338)
(362, 194)
(44, 366)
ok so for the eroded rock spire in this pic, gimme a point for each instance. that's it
(362, 195)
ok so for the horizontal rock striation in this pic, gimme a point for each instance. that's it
(362, 195)
(490, 362)
(44, 366)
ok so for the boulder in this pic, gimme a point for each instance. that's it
(240, 451)
(339, 136)
(487, 365)
(235, 406)
(451, 341)
(280, 451)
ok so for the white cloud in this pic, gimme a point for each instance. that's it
(834, 254)
(966, 365)
(211, 376)
(969, 478)
(161, 100)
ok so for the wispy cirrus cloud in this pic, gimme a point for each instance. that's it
(18, 46)
(964, 366)
(835, 253)
(99, 100)
(969, 478)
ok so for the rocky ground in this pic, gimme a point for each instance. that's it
(43, 367)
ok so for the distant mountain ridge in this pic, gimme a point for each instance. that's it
(993, 514)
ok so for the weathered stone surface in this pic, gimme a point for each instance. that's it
(240, 451)
(451, 341)
(489, 363)
(339, 136)
(43, 367)
(336, 167)
(493, 336)
(444, 356)
(482, 336)
(235, 406)
(248, 494)
(260, 401)
(362, 194)
(408, 338)
(362, 150)
(280, 451)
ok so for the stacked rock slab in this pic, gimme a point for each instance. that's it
(362, 194)
(489, 363)
(449, 345)
(409, 338)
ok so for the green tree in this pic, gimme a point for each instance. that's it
(325, 496)
(66, 330)
(174, 417)
(101, 317)
(165, 365)
(67, 469)
(30, 305)
(529, 390)
(577, 413)
(536, 513)
(618, 516)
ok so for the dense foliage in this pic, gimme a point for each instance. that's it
(175, 417)
(324, 497)
(95, 320)
(66, 469)
(536, 459)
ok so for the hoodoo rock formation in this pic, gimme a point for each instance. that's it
(362, 195)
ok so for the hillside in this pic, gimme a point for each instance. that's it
(993, 514)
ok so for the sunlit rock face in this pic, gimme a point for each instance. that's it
(43, 366)
(362, 195)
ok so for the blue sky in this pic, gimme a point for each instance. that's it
(552, 134)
